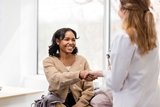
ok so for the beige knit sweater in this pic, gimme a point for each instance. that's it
(61, 80)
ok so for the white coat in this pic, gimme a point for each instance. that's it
(133, 78)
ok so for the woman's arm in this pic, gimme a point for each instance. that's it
(58, 79)
(86, 95)
(121, 56)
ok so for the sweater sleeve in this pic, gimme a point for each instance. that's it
(121, 55)
(58, 79)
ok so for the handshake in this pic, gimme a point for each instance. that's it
(89, 75)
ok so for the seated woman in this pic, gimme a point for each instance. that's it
(64, 70)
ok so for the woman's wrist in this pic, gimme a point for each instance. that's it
(100, 73)
(81, 76)
(105, 73)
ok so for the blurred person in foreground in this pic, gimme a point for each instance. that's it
(134, 58)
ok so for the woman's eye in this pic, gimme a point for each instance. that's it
(73, 40)
(66, 39)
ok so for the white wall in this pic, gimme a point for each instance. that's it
(10, 42)
(18, 44)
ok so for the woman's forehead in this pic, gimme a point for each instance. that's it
(69, 34)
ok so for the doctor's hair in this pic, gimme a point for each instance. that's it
(139, 24)
(60, 35)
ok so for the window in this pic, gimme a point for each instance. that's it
(95, 21)
(115, 19)
(84, 16)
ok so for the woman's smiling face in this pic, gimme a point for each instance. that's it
(68, 43)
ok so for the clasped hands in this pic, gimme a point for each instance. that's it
(88, 75)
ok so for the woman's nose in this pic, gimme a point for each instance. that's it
(70, 42)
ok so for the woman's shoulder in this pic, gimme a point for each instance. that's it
(121, 36)
(121, 33)
(81, 57)
(122, 42)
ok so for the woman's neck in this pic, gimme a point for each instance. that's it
(65, 56)
(67, 59)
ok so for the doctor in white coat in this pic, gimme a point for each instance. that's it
(134, 58)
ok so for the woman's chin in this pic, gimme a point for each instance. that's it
(69, 52)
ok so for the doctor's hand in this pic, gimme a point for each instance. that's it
(87, 76)
(92, 75)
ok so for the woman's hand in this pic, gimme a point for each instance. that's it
(82, 74)
(90, 75)
(87, 76)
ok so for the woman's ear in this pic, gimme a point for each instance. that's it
(124, 11)
(57, 41)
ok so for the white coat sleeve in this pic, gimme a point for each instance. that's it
(121, 54)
